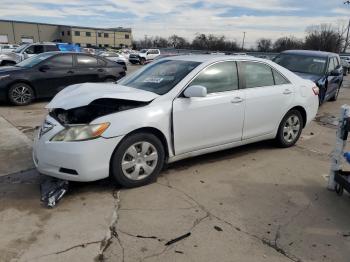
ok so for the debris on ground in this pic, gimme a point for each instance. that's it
(177, 239)
(217, 228)
(52, 191)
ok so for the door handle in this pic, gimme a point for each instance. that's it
(237, 100)
(70, 72)
(287, 92)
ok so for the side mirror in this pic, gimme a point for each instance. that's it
(44, 68)
(335, 72)
(195, 91)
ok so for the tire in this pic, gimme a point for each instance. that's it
(8, 63)
(20, 94)
(110, 79)
(137, 171)
(335, 97)
(289, 130)
(142, 61)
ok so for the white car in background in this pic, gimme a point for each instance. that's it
(7, 48)
(171, 109)
(114, 56)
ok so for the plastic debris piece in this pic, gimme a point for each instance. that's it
(52, 191)
(177, 239)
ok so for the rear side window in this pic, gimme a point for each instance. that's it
(257, 75)
(35, 49)
(50, 48)
(86, 61)
(279, 79)
(219, 77)
(61, 61)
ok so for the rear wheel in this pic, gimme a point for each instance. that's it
(110, 79)
(8, 63)
(20, 94)
(138, 160)
(142, 61)
(289, 129)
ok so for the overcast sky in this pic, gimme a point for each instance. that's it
(259, 18)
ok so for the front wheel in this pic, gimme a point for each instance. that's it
(142, 61)
(20, 94)
(289, 129)
(138, 160)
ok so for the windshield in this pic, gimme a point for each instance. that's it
(30, 62)
(302, 64)
(143, 51)
(20, 48)
(160, 77)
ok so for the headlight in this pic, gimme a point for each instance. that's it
(80, 132)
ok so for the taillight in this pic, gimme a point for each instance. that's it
(316, 90)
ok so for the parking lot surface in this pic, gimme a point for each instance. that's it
(252, 203)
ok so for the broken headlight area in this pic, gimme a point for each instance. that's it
(96, 109)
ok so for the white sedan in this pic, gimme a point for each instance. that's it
(114, 56)
(174, 108)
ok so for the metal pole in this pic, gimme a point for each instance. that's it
(243, 41)
(337, 154)
(37, 25)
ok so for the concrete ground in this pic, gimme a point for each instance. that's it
(252, 203)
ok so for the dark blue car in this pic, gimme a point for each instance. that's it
(323, 68)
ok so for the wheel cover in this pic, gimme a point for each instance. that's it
(291, 128)
(139, 160)
(21, 94)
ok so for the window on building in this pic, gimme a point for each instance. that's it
(62, 33)
(99, 45)
(219, 77)
(99, 34)
(88, 45)
(86, 61)
(68, 32)
(106, 45)
(105, 35)
(88, 34)
(77, 33)
(127, 36)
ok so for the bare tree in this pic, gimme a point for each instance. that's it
(288, 42)
(324, 37)
(264, 44)
(178, 41)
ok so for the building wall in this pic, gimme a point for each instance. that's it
(16, 31)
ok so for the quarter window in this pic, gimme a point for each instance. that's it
(279, 79)
(219, 77)
(257, 75)
(86, 61)
(61, 61)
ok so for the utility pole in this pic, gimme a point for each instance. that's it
(243, 41)
(347, 34)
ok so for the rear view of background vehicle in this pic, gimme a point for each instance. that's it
(46, 74)
(145, 56)
(323, 68)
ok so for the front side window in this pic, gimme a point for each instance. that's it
(219, 77)
(331, 65)
(160, 77)
(257, 75)
(86, 61)
(61, 61)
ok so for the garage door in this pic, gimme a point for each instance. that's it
(4, 39)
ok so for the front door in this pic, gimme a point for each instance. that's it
(216, 119)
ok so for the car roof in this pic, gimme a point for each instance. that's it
(309, 53)
(213, 58)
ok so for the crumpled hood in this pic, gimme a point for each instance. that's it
(313, 78)
(83, 94)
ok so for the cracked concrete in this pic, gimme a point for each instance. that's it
(253, 203)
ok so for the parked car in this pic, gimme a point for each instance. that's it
(115, 57)
(346, 66)
(48, 73)
(175, 108)
(4, 48)
(321, 67)
(145, 56)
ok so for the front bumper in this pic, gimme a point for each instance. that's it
(75, 161)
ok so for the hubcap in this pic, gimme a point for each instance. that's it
(139, 160)
(21, 94)
(291, 128)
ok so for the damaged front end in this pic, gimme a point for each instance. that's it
(96, 109)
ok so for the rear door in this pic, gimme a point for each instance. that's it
(268, 96)
(57, 75)
(333, 81)
(86, 68)
(217, 119)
